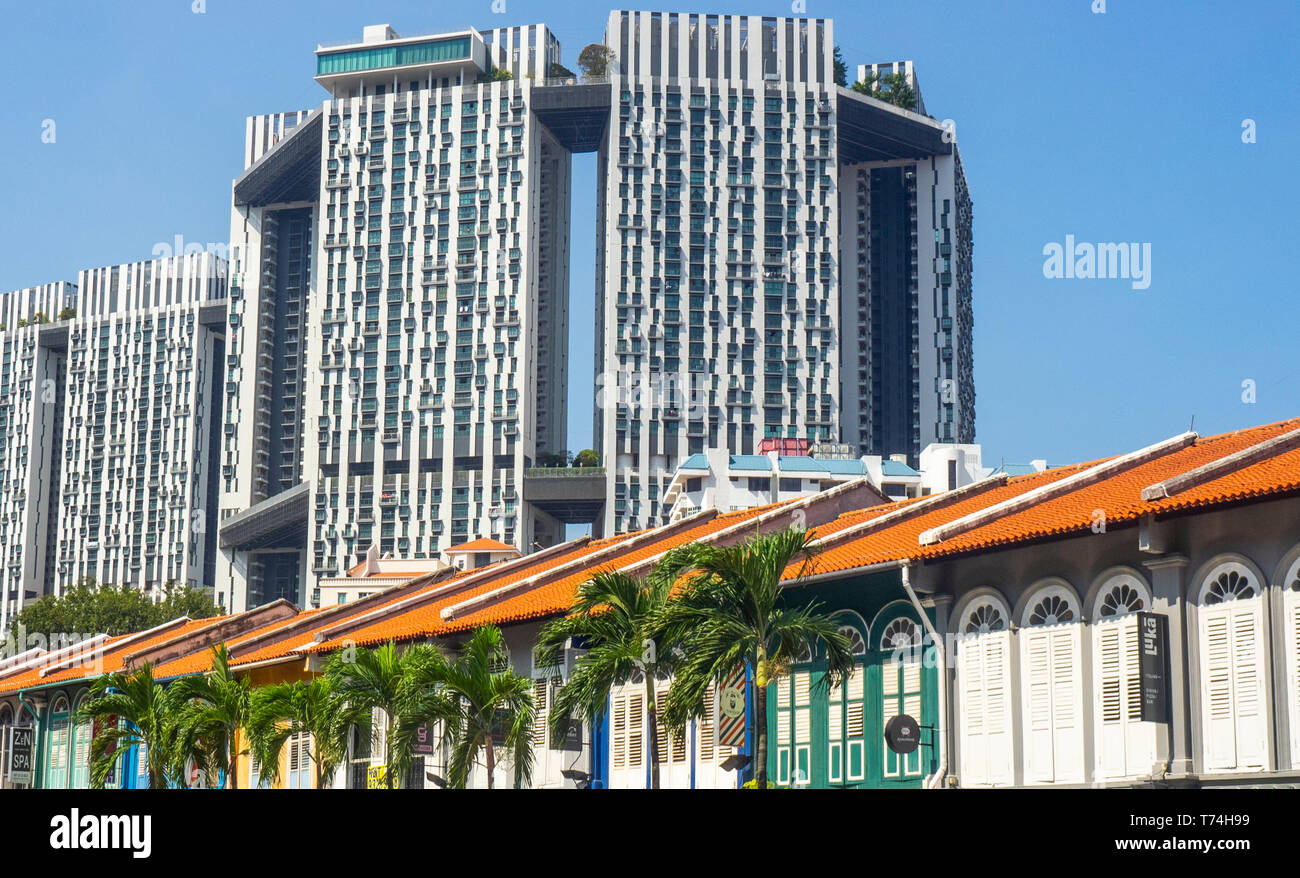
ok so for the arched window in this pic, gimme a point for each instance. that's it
(900, 646)
(1291, 634)
(1125, 745)
(59, 757)
(1233, 704)
(847, 710)
(81, 733)
(1052, 686)
(984, 693)
(6, 723)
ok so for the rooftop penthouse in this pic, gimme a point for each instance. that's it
(383, 59)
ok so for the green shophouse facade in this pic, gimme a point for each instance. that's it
(824, 737)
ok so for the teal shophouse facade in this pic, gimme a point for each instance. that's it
(61, 757)
(824, 737)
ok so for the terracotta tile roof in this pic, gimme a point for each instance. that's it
(549, 598)
(1118, 496)
(110, 658)
(201, 660)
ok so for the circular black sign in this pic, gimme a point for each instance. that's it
(902, 734)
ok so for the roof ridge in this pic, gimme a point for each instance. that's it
(917, 507)
(1221, 466)
(1052, 490)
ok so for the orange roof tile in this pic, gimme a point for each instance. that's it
(106, 659)
(1119, 496)
(547, 598)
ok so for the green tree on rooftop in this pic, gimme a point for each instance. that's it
(594, 60)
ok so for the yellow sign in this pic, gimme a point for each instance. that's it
(377, 777)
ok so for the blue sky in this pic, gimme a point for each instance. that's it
(1117, 127)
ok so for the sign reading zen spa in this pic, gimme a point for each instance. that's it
(21, 739)
(1153, 663)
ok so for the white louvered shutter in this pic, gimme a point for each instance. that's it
(835, 722)
(784, 722)
(1291, 613)
(1053, 704)
(541, 712)
(706, 734)
(1248, 684)
(901, 694)
(1067, 703)
(802, 681)
(663, 746)
(984, 681)
(635, 729)
(1125, 744)
(855, 754)
(1236, 736)
(618, 736)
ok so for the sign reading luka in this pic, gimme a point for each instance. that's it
(20, 754)
(1153, 663)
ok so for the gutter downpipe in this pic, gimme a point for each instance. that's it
(934, 780)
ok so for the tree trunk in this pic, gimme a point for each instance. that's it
(654, 729)
(491, 760)
(232, 763)
(760, 720)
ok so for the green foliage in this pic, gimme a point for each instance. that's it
(67, 314)
(730, 613)
(89, 608)
(554, 459)
(478, 700)
(841, 70)
(143, 714)
(22, 321)
(39, 318)
(594, 60)
(370, 679)
(615, 614)
(587, 457)
(559, 71)
(211, 708)
(893, 88)
(286, 709)
(500, 74)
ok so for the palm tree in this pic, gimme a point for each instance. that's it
(311, 707)
(135, 711)
(214, 706)
(729, 614)
(369, 680)
(476, 697)
(614, 612)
